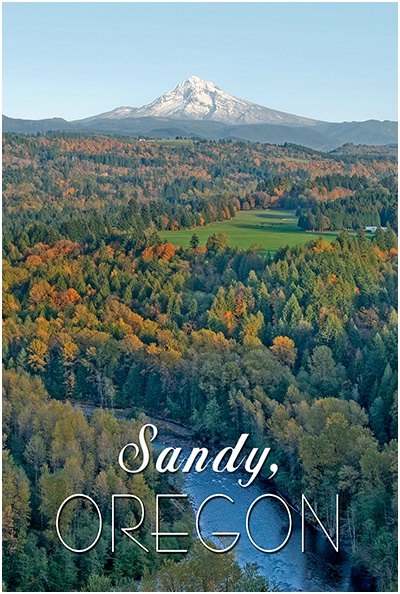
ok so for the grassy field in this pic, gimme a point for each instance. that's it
(271, 228)
(172, 141)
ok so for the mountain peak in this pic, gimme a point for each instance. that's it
(198, 99)
(191, 87)
(194, 80)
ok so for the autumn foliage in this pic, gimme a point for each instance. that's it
(284, 350)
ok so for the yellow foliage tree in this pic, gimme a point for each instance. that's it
(37, 355)
(284, 350)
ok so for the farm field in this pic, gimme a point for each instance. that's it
(273, 228)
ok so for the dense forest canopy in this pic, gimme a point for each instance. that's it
(298, 350)
(83, 187)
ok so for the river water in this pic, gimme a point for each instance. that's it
(318, 569)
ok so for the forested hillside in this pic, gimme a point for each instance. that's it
(83, 188)
(298, 350)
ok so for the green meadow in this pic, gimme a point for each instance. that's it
(271, 228)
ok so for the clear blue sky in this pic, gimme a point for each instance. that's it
(330, 61)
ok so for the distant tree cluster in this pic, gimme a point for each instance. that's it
(366, 208)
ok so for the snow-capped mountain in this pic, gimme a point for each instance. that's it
(200, 109)
(197, 99)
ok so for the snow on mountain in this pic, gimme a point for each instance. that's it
(116, 114)
(197, 99)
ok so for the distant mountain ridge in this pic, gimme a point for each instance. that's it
(199, 108)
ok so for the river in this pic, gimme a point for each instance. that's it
(318, 569)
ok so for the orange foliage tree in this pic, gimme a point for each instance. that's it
(284, 350)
